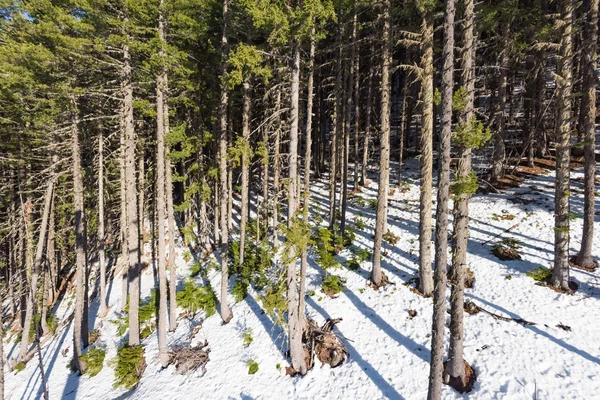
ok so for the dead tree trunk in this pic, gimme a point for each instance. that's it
(441, 229)
(377, 275)
(101, 239)
(245, 167)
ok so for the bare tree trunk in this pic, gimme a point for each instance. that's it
(101, 239)
(132, 204)
(226, 313)
(590, 63)
(377, 275)
(80, 334)
(307, 164)
(276, 172)
(123, 215)
(245, 167)
(2, 349)
(294, 321)
(39, 254)
(346, 140)
(499, 156)
(403, 124)
(356, 67)
(441, 229)
(426, 162)
(368, 127)
(337, 130)
(455, 366)
(163, 351)
(560, 274)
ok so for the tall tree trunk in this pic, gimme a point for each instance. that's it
(337, 130)
(368, 126)
(123, 214)
(2, 350)
(590, 63)
(426, 162)
(346, 139)
(455, 366)
(80, 331)
(101, 239)
(294, 321)
(307, 164)
(377, 275)
(441, 229)
(226, 313)
(276, 170)
(356, 67)
(163, 351)
(245, 167)
(499, 156)
(33, 292)
(560, 274)
(132, 204)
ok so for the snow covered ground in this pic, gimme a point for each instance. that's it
(389, 352)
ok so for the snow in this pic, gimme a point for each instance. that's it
(389, 352)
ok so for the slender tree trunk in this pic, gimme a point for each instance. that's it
(132, 204)
(123, 215)
(1, 351)
(337, 130)
(39, 254)
(276, 171)
(368, 127)
(245, 167)
(403, 124)
(307, 164)
(590, 63)
(441, 229)
(455, 366)
(81, 324)
(226, 313)
(294, 321)
(356, 67)
(377, 275)
(163, 351)
(346, 139)
(426, 162)
(499, 156)
(101, 239)
(560, 274)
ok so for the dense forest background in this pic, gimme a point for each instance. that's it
(131, 129)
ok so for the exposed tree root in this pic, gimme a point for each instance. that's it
(472, 308)
(458, 384)
(188, 359)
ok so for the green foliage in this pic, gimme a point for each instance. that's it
(373, 203)
(298, 239)
(189, 237)
(464, 185)
(505, 216)
(94, 360)
(274, 302)
(358, 201)
(391, 238)
(360, 224)
(195, 269)
(194, 298)
(349, 236)
(332, 285)
(437, 97)
(459, 99)
(20, 366)
(247, 338)
(323, 239)
(507, 249)
(540, 274)
(240, 290)
(129, 365)
(187, 256)
(252, 367)
(240, 148)
(472, 136)
(361, 254)
(245, 61)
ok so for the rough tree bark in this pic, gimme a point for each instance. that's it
(426, 161)
(455, 366)
(560, 273)
(356, 63)
(337, 130)
(101, 239)
(276, 170)
(245, 166)
(226, 313)
(590, 63)
(499, 155)
(368, 126)
(294, 321)
(441, 229)
(377, 275)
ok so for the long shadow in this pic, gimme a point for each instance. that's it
(276, 332)
(386, 389)
(540, 332)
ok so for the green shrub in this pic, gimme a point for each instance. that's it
(373, 203)
(323, 239)
(540, 274)
(274, 303)
(187, 256)
(146, 312)
(361, 254)
(332, 285)
(94, 360)
(352, 263)
(507, 249)
(349, 236)
(361, 224)
(195, 269)
(252, 367)
(20, 366)
(240, 290)
(129, 365)
(390, 237)
(194, 298)
(247, 337)
(358, 201)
